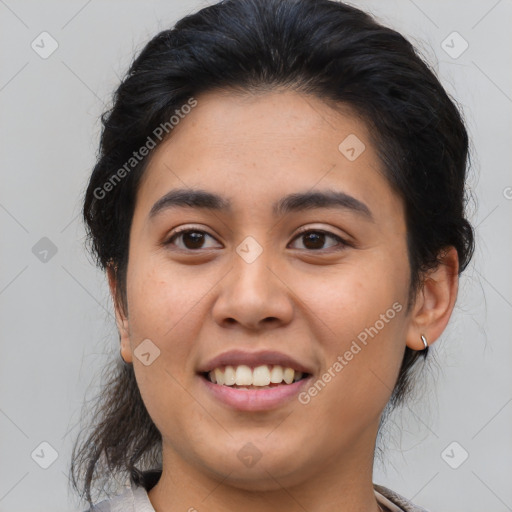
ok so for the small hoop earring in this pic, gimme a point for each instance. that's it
(424, 342)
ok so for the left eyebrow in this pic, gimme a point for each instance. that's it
(197, 198)
(322, 199)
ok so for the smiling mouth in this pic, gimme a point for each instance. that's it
(259, 377)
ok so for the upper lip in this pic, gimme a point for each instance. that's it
(253, 359)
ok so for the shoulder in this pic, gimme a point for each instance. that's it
(134, 498)
(129, 500)
(394, 501)
(122, 501)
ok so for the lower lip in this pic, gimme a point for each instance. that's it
(255, 399)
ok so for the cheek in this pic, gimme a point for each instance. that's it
(352, 296)
(162, 297)
(163, 307)
(358, 316)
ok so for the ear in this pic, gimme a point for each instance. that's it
(434, 301)
(121, 318)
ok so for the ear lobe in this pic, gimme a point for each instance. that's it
(434, 301)
(121, 318)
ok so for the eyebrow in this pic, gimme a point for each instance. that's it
(299, 201)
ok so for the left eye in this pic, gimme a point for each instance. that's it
(315, 239)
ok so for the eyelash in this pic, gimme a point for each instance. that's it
(302, 232)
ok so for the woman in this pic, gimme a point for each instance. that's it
(278, 204)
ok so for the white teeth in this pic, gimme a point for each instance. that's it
(219, 376)
(276, 375)
(229, 375)
(243, 375)
(288, 375)
(260, 376)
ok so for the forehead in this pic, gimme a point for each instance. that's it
(259, 147)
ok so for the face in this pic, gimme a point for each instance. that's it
(300, 262)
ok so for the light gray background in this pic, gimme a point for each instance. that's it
(56, 322)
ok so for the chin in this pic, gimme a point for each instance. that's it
(266, 473)
(263, 479)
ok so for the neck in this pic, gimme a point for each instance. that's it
(343, 483)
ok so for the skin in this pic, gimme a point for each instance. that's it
(195, 303)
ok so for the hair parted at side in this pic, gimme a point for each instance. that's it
(325, 48)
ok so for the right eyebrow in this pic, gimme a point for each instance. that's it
(183, 197)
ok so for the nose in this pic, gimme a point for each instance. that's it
(254, 295)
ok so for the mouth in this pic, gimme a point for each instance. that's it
(253, 381)
(251, 389)
(254, 378)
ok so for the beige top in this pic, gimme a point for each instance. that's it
(135, 499)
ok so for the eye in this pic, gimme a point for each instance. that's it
(315, 239)
(191, 238)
